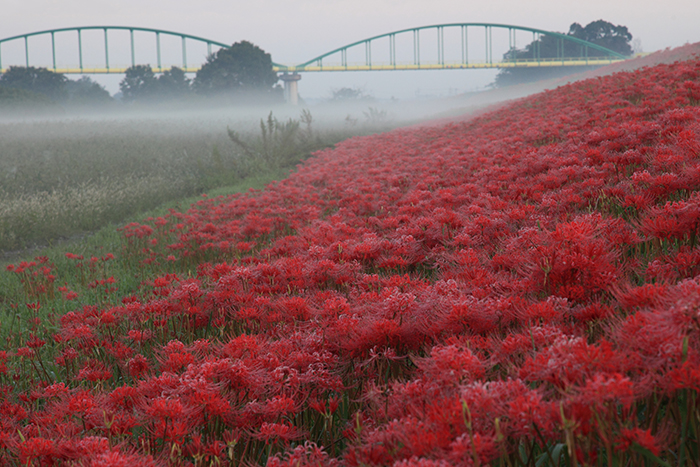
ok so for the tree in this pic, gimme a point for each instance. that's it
(16, 101)
(29, 87)
(173, 84)
(36, 80)
(349, 94)
(86, 91)
(615, 38)
(139, 83)
(241, 70)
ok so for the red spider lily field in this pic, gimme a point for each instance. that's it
(517, 289)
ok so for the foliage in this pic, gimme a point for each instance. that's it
(60, 179)
(375, 116)
(615, 38)
(349, 94)
(603, 33)
(86, 91)
(15, 101)
(242, 70)
(280, 144)
(173, 84)
(139, 82)
(29, 88)
(36, 80)
(518, 289)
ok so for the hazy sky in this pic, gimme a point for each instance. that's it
(294, 31)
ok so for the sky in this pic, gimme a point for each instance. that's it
(293, 31)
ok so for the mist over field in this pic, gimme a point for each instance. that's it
(68, 172)
(69, 169)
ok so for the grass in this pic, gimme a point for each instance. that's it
(69, 188)
(61, 179)
(77, 275)
(82, 260)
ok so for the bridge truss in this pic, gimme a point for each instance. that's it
(106, 67)
(468, 45)
(589, 54)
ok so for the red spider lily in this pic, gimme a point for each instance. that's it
(277, 431)
(438, 295)
(94, 371)
(140, 336)
(451, 364)
(643, 438)
(36, 449)
(138, 366)
(676, 220)
(306, 455)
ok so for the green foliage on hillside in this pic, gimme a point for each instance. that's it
(602, 33)
(615, 38)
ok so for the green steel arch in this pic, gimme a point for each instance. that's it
(316, 64)
(106, 29)
(488, 27)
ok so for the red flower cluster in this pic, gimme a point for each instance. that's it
(437, 295)
(36, 277)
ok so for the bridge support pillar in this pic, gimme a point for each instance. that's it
(291, 91)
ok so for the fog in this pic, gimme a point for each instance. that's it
(67, 170)
(293, 32)
(424, 104)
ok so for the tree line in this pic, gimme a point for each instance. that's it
(614, 37)
(241, 73)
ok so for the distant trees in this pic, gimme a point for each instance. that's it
(349, 94)
(173, 83)
(615, 38)
(242, 71)
(85, 91)
(140, 83)
(36, 80)
(603, 33)
(32, 85)
(18, 100)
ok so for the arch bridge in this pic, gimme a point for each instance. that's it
(585, 53)
(436, 47)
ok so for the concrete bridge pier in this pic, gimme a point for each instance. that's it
(291, 91)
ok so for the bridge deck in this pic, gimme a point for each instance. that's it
(454, 66)
(374, 66)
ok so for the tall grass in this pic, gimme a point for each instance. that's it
(63, 178)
